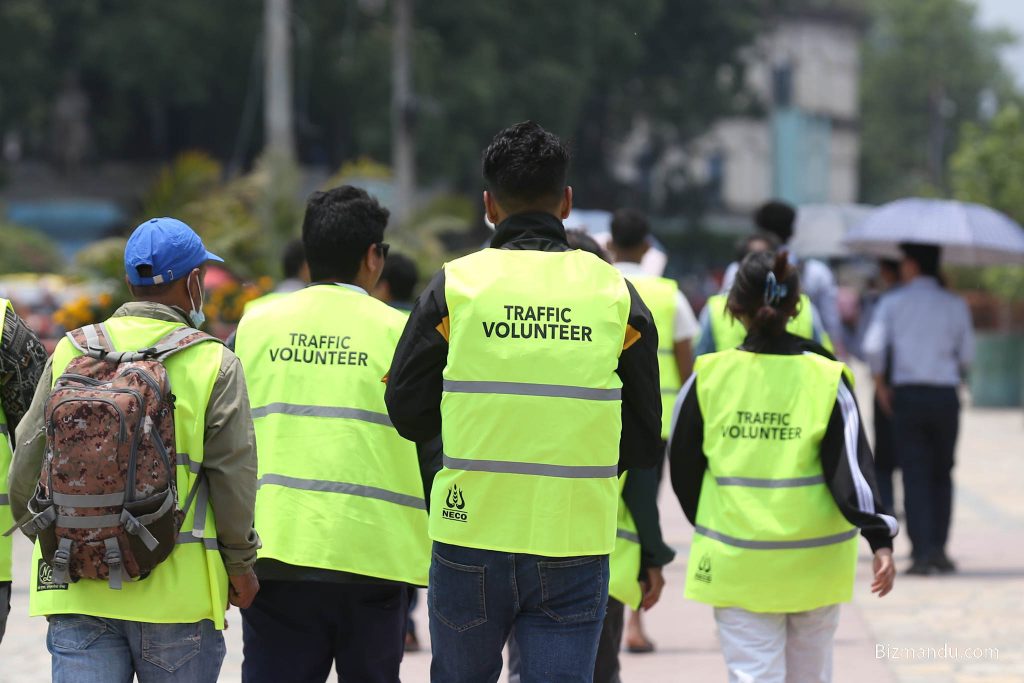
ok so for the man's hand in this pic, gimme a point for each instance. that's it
(243, 589)
(885, 572)
(652, 588)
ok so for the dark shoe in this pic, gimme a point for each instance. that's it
(942, 563)
(640, 649)
(920, 568)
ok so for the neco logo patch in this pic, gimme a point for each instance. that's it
(455, 503)
(44, 578)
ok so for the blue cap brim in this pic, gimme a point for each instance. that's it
(210, 256)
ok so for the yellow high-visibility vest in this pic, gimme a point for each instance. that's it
(624, 563)
(661, 296)
(339, 489)
(768, 537)
(191, 584)
(729, 333)
(531, 409)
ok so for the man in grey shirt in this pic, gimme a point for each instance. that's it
(927, 332)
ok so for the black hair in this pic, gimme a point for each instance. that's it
(629, 228)
(752, 296)
(743, 247)
(340, 225)
(776, 217)
(292, 258)
(578, 239)
(926, 256)
(401, 274)
(526, 167)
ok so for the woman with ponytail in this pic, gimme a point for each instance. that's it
(771, 466)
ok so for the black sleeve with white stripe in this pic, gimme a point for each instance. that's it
(686, 449)
(848, 465)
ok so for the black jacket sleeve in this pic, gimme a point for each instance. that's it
(686, 450)
(848, 465)
(640, 494)
(640, 445)
(413, 394)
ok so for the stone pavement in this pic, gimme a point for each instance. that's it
(965, 628)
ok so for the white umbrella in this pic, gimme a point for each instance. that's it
(969, 234)
(820, 228)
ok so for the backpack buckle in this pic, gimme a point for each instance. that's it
(112, 558)
(62, 562)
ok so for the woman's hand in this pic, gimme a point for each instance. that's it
(885, 572)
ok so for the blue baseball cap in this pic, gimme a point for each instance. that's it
(169, 247)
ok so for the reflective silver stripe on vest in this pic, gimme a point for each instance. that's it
(208, 543)
(186, 461)
(628, 535)
(541, 470)
(776, 545)
(342, 487)
(524, 389)
(5, 499)
(321, 411)
(770, 483)
(88, 500)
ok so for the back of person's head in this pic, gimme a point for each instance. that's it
(776, 217)
(766, 293)
(293, 258)
(526, 168)
(926, 256)
(339, 226)
(401, 275)
(756, 243)
(630, 228)
(578, 239)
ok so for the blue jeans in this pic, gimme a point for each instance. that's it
(95, 650)
(477, 598)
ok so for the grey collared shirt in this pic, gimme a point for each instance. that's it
(928, 331)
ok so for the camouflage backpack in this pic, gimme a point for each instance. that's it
(106, 506)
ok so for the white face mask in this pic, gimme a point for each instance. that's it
(196, 315)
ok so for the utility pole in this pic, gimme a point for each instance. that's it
(403, 114)
(278, 122)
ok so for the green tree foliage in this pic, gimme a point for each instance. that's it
(926, 66)
(28, 251)
(987, 169)
(163, 77)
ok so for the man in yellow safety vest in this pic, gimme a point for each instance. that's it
(538, 365)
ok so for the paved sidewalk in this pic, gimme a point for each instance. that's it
(979, 611)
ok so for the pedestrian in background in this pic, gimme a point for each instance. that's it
(719, 329)
(677, 328)
(167, 626)
(771, 466)
(22, 358)
(819, 284)
(921, 335)
(886, 454)
(539, 365)
(398, 282)
(340, 502)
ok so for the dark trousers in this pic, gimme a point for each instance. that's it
(925, 425)
(607, 668)
(295, 631)
(885, 458)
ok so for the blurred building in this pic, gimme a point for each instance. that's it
(803, 146)
(797, 137)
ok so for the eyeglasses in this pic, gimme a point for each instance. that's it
(383, 248)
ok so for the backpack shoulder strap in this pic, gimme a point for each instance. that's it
(177, 340)
(92, 340)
